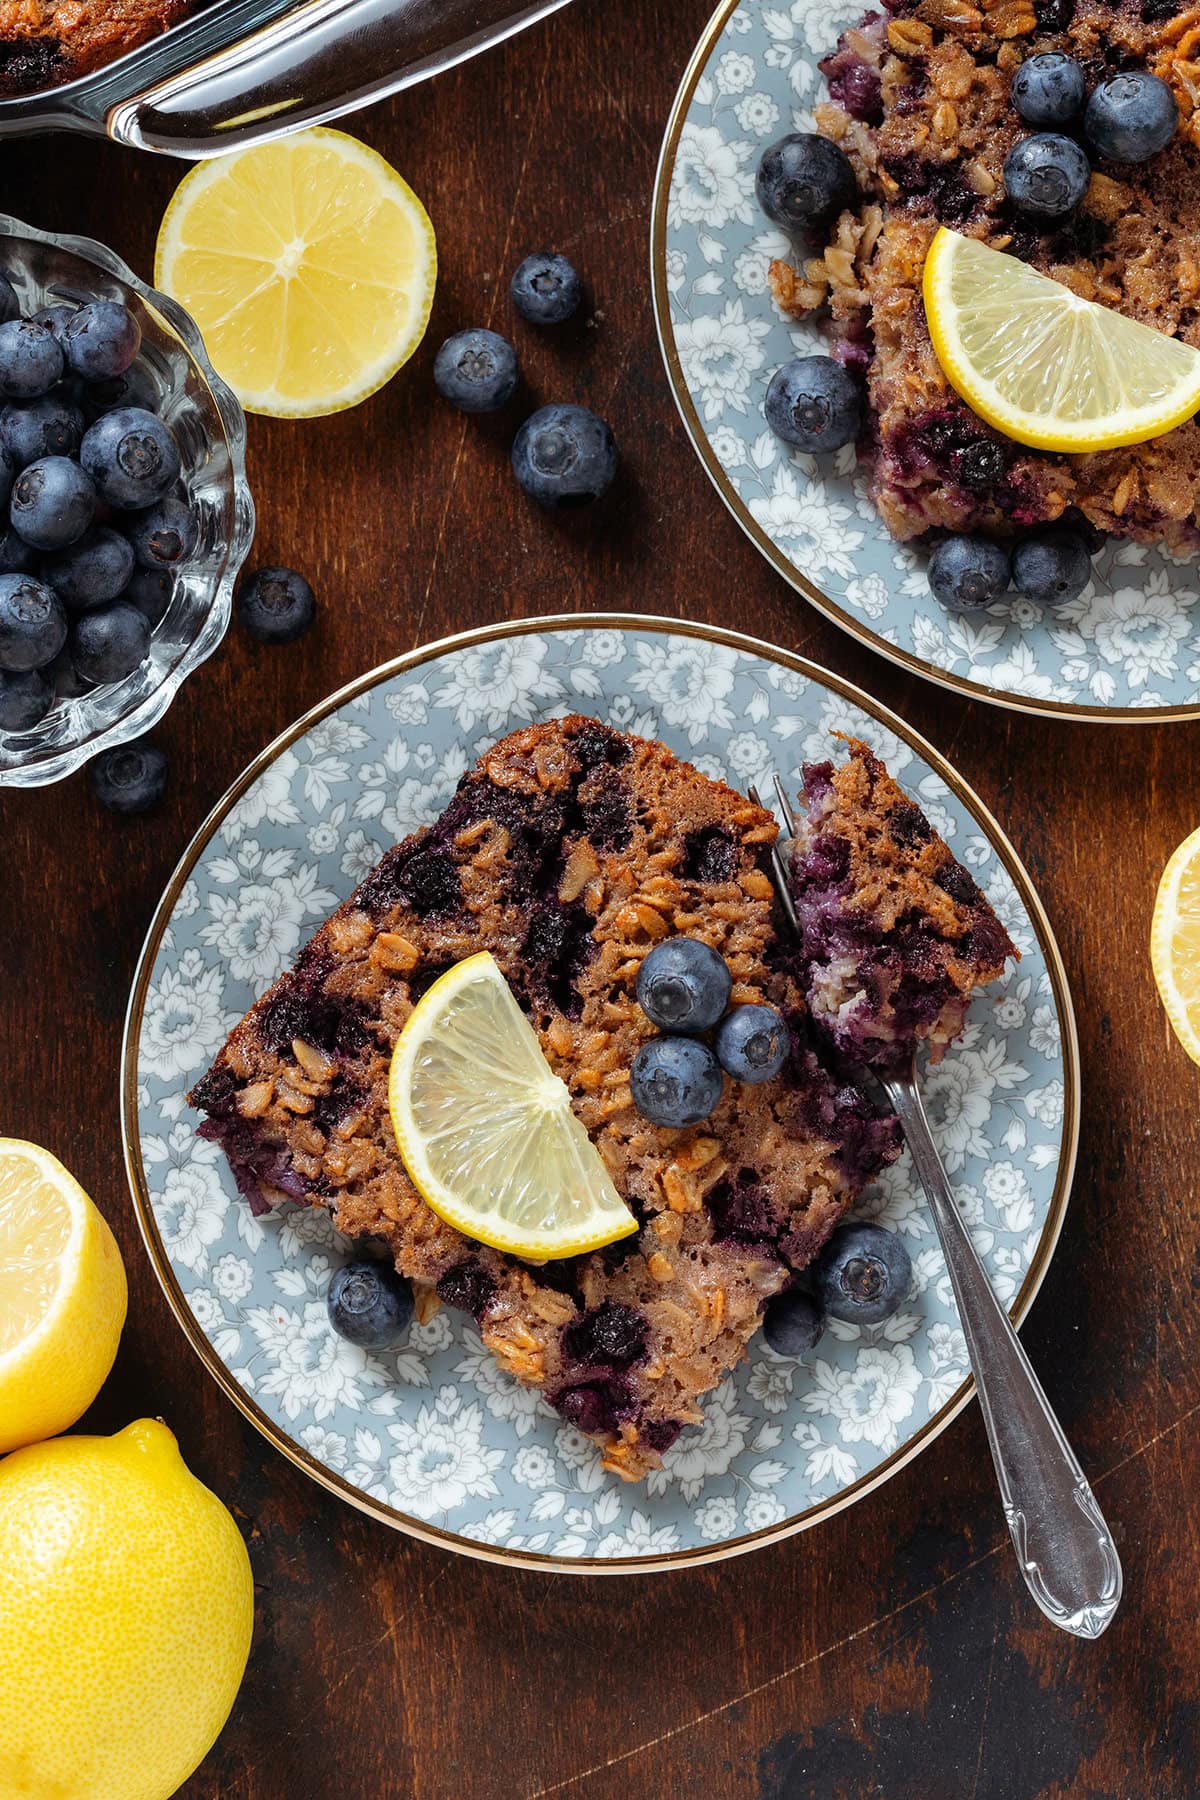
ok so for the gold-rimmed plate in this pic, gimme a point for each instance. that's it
(434, 1439)
(1128, 649)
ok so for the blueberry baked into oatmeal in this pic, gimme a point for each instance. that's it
(45, 43)
(1063, 132)
(627, 901)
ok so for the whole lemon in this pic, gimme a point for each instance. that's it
(126, 1609)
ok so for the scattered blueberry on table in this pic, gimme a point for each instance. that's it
(564, 456)
(862, 1275)
(546, 290)
(477, 371)
(276, 605)
(130, 778)
(369, 1304)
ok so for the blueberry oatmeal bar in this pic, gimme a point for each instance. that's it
(921, 104)
(44, 43)
(569, 852)
(896, 934)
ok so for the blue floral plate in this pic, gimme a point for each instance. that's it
(435, 1439)
(1127, 649)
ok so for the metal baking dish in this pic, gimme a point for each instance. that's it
(248, 69)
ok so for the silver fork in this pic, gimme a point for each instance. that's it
(1065, 1550)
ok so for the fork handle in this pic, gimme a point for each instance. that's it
(1063, 1545)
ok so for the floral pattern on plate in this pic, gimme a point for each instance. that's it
(436, 1430)
(1130, 641)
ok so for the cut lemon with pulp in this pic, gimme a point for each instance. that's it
(1042, 365)
(62, 1296)
(309, 265)
(1175, 943)
(485, 1126)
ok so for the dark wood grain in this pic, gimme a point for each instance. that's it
(893, 1651)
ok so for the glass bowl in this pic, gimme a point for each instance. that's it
(210, 429)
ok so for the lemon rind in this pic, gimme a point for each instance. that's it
(1161, 924)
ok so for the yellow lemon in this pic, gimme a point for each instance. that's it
(485, 1126)
(62, 1296)
(1175, 943)
(126, 1608)
(309, 265)
(1043, 366)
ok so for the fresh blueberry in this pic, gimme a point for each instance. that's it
(8, 474)
(131, 456)
(792, 1324)
(150, 590)
(1049, 89)
(476, 371)
(165, 534)
(56, 318)
(369, 1304)
(752, 1043)
(675, 1081)
(52, 503)
(966, 573)
(276, 606)
(101, 340)
(546, 290)
(131, 778)
(862, 1275)
(683, 985)
(1051, 566)
(1130, 116)
(1047, 175)
(134, 388)
(564, 456)
(804, 180)
(16, 556)
(108, 642)
(10, 306)
(49, 426)
(33, 624)
(69, 684)
(31, 359)
(25, 699)
(94, 570)
(813, 403)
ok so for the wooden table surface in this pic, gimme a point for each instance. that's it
(892, 1651)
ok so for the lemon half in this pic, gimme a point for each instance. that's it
(1175, 943)
(486, 1129)
(1043, 366)
(309, 265)
(62, 1296)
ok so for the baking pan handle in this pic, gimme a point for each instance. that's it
(314, 62)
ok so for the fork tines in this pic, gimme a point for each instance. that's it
(779, 867)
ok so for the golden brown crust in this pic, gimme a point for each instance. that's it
(46, 43)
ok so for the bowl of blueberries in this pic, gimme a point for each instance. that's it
(125, 515)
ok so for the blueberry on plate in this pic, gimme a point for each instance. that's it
(546, 290)
(130, 778)
(862, 1275)
(476, 371)
(814, 404)
(1049, 89)
(95, 569)
(131, 456)
(683, 985)
(564, 456)
(33, 624)
(1046, 176)
(164, 535)
(150, 590)
(101, 339)
(276, 606)
(370, 1304)
(1050, 566)
(967, 572)
(10, 306)
(675, 1081)
(108, 642)
(31, 359)
(25, 699)
(792, 1323)
(804, 180)
(752, 1043)
(1130, 117)
(48, 426)
(52, 502)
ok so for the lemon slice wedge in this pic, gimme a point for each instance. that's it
(486, 1129)
(309, 265)
(62, 1296)
(1043, 366)
(1175, 943)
